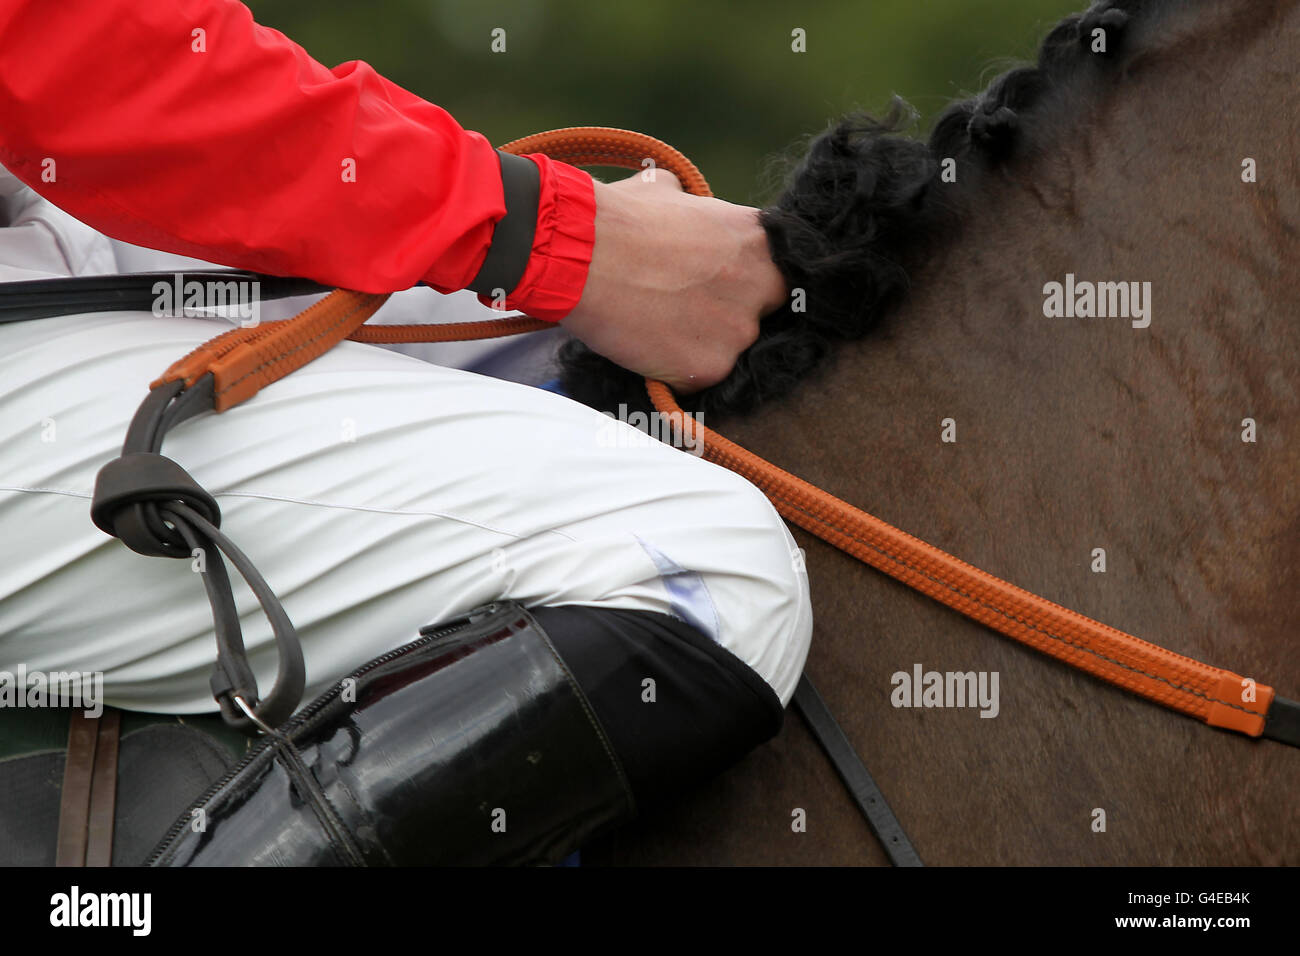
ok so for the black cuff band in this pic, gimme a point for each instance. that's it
(512, 240)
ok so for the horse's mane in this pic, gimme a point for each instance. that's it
(863, 204)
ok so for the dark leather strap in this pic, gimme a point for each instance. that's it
(156, 508)
(854, 773)
(1283, 721)
(103, 790)
(74, 802)
(512, 239)
(67, 295)
(89, 797)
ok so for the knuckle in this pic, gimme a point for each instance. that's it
(715, 370)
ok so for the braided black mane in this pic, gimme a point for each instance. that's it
(863, 204)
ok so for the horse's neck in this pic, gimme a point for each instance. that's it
(1074, 434)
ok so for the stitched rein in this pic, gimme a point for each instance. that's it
(243, 360)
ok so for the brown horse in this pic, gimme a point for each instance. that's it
(1138, 467)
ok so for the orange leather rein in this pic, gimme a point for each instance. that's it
(243, 360)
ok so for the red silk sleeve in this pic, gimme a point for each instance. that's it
(185, 126)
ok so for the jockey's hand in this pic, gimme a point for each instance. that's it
(677, 282)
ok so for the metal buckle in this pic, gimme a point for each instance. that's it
(248, 712)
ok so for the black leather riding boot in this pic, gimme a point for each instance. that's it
(477, 744)
(472, 745)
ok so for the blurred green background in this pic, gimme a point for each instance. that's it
(717, 80)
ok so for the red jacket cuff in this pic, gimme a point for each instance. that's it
(556, 273)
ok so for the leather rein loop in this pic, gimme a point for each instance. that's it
(156, 508)
(235, 365)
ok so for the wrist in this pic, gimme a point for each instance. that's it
(615, 221)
